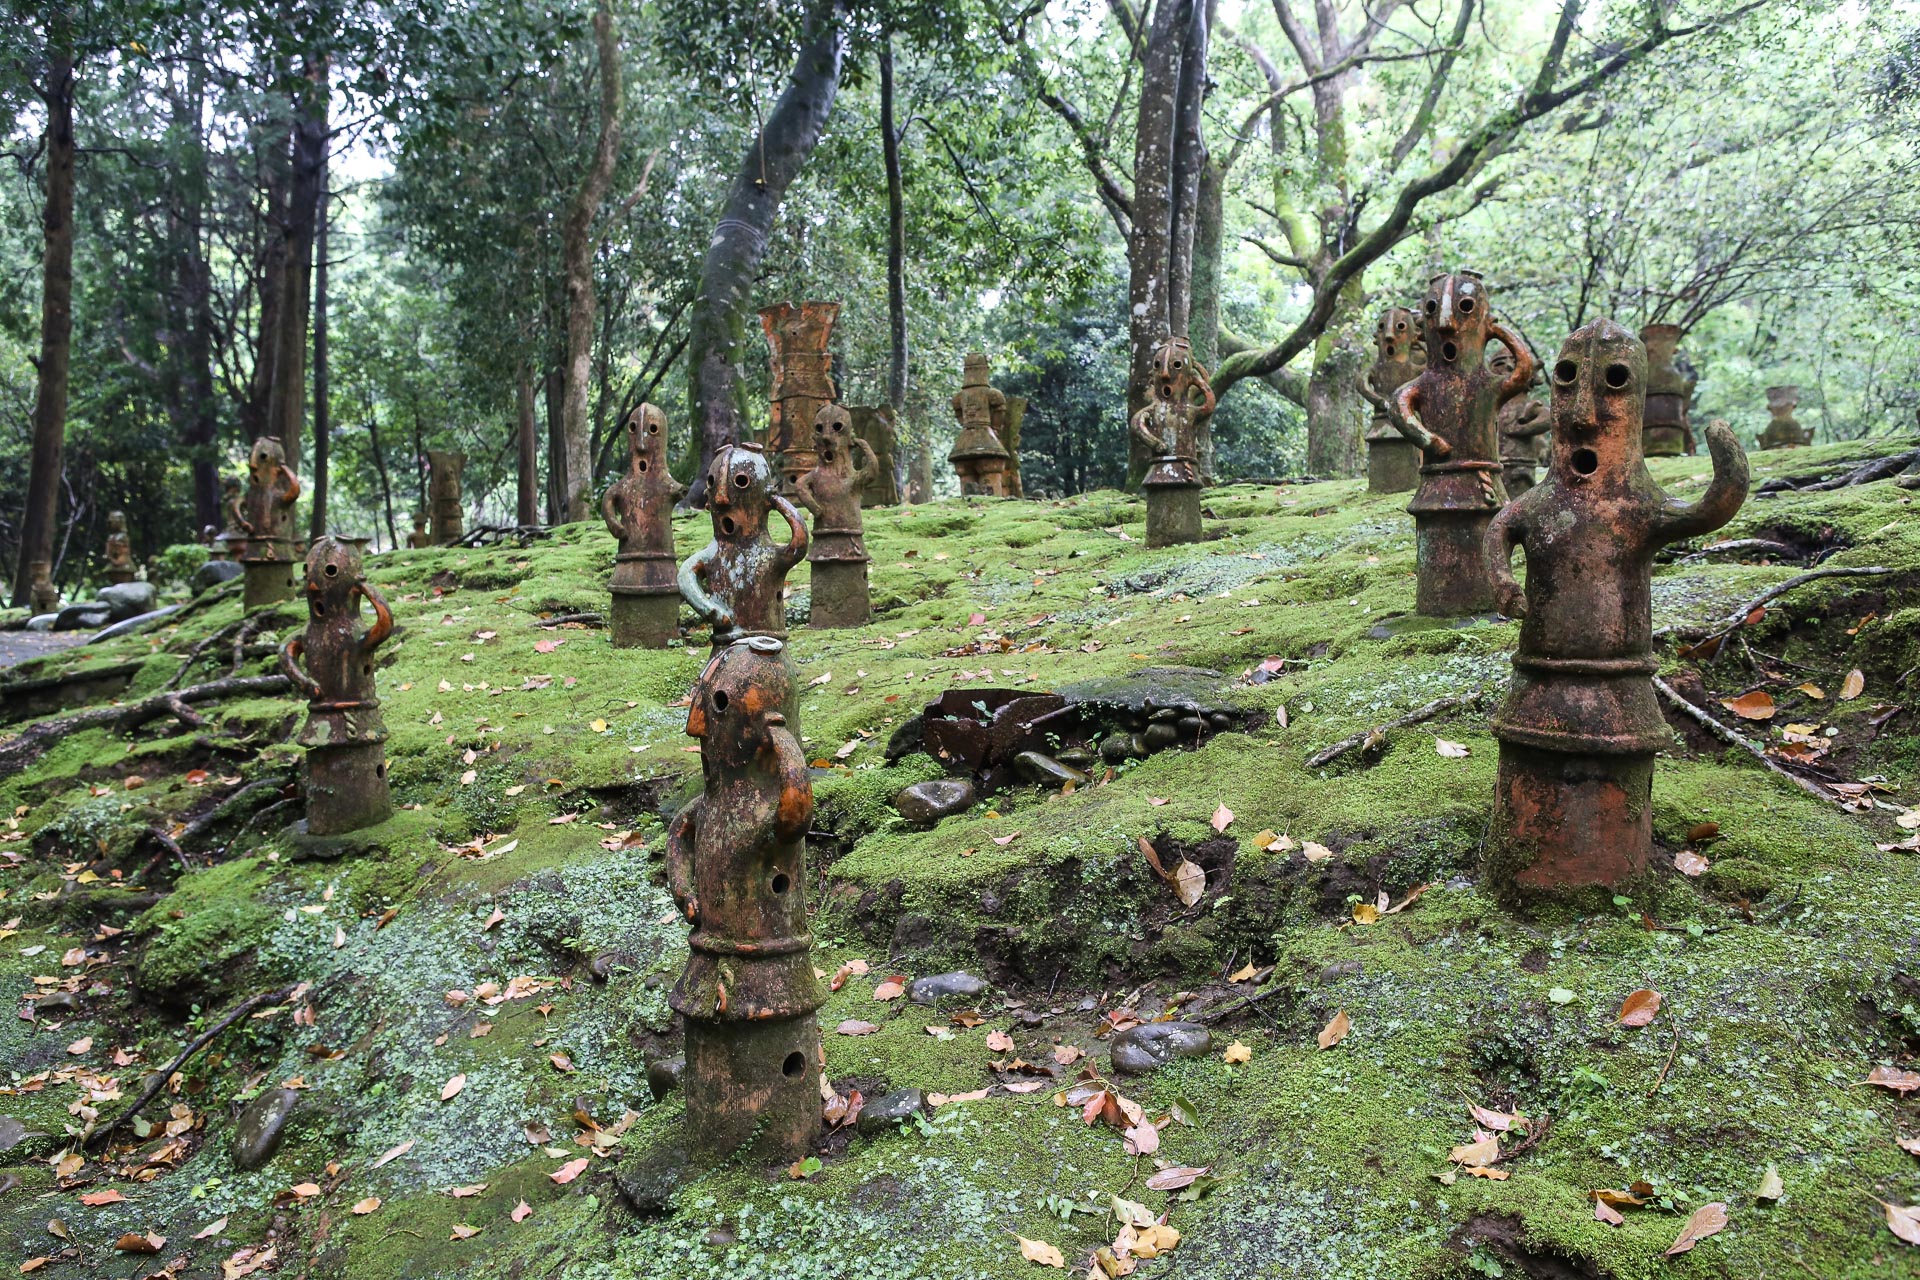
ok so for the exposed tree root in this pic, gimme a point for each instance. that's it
(1744, 546)
(585, 619)
(20, 751)
(1439, 706)
(1864, 473)
(1738, 618)
(1731, 738)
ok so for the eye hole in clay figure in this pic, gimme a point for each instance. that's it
(780, 882)
(333, 571)
(1585, 461)
(1433, 308)
(1400, 326)
(1449, 352)
(1618, 375)
(1466, 306)
(795, 1064)
(720, 699)
(653, 428)
(741, 479)
(1565, 372)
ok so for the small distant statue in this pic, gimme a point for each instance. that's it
(802, 369)
(1393, 463)
(978, 457)
(1668, 435)
(266, 518)
(231, 542)
(345, 736)
(419, 537)
(1573, 808)
(638, 509)
(1784, 431)
(42, 595)
(838, 550)
(444, 469)
(1524, 423)
(1170, 426)
(1450, 412)
(738, 581)
(875, 426)
(119, 549)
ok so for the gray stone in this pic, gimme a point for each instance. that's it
(648, 1181)
(1159, 736)
(609, 964)
(13, 1132)
(215, 572)
(941, 985)
(59, 1005)
(134, 623)
(928, 802)
(663, 1075)
(889, 1109)
(1042, 769)
(1152, 1045)
(262, 1125)
(1077, 758)
(88, 615)
(129, 599)
(42, 621)
(1116, 748)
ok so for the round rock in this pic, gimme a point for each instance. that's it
(939, 986)
(1042, 769)
(663, 1075)
(1152, 1045)
(262, 1125)
(928, 802)
(889, 1109)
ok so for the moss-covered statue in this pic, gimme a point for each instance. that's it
(638, 509)
(831, 491)
(738, 581)
(1393, 463)
(344, 735)
(1573, 806)
(1170, 426)
(265, 516)
(119, 549)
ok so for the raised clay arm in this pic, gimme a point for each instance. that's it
(382, 619)
(1363, 383)
(610, 512)
(863, 468)
(693, 587)
(1143, 433)
(290, 654)
(1502, 535)
(238, 511)
(796, 549)
(681, 835)
(1524, 365)
(291, 494)
(803, 490)
(795, 813)
(1534, 420)
(1722, 498)
(1404, 413)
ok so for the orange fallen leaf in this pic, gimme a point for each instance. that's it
(453, 1086)
(134, 1242)
(393, 1153)
(98, 1198)
(569, 1171)
(1757, 705)
(892, 989)
(461, 1231)
(561, 1063)
(1854, 685)
(367, 1206)
(1708, 1219)
(1041, 1253)
(1901, 1082)
(1904, 1223)
(1336, 1030)
(1640, 1007)
(855, 1027)
(1237, 1053)
(521, 1212)
(999, 1042)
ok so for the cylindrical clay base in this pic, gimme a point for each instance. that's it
(1393, 466)
(752, 1089)
(1452, 578)
(1663, 442)
(1173, 515)
(347, 788)
(1565, 822)
(269, 582)
(840, 594)
(645, 622)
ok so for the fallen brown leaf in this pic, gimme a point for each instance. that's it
(1709, 1219)
(1336, 1030)
(1640, 1007)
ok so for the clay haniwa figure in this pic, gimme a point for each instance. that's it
(1580, 724)
(978, 457)
(1524, 422)
(119, 550)
(231, 542)
(831, 491)
(638, 509)
(736, 865)
(1450, 412)
(444, 469)
(265, 516)
(345, 736)
(1393, 463)
(419, 537)
(736, 581)
(1171, 426)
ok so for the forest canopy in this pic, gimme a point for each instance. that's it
(377, 228)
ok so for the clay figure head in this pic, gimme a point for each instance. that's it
(975, 372)
(739, 485)
(333, 571)
(737, 699)
(419, 522)
(832, 429)
(1394, 334)
(1599, 393)
(266, 460)
(647, 438)
(116, 522)
(1456, 318)
(1173, 370)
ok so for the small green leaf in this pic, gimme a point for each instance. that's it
(1560, 995)
(1184, 1112)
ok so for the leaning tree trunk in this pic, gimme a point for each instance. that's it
(270, 285)
(56, 317)
(1148, 240)
(896, 258)
(1188, 162)
(1335, 413)
(1203, 311)
(526, 450)
(739, 244)
(576, 240)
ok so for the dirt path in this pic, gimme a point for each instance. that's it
(18, 646)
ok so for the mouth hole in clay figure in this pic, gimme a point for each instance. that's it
(780, 882)
(795, 1064)
(720, 699)
(1466, 306)
(366, 668)
(1618, 375)
(643, 464)
(726, 524)
(318, 608)
(1449, 352)
(1585, 461)
(380, 770)
(1565, 372)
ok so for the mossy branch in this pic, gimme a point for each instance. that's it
(20, 751)
(1732, 738)
(1738, 618)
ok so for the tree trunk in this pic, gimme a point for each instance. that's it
(896, 240)
(1148, 243)
(556, 446)
(1188, 163)
(191, 303)
(577, 253)
(734, 255)
(322, 417)
(56, 316)
(287, 402)
(1203, 320)
(526, 450)
(1335, 412)
(270, 286)
(380, 468)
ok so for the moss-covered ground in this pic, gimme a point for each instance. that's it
(508, 929)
